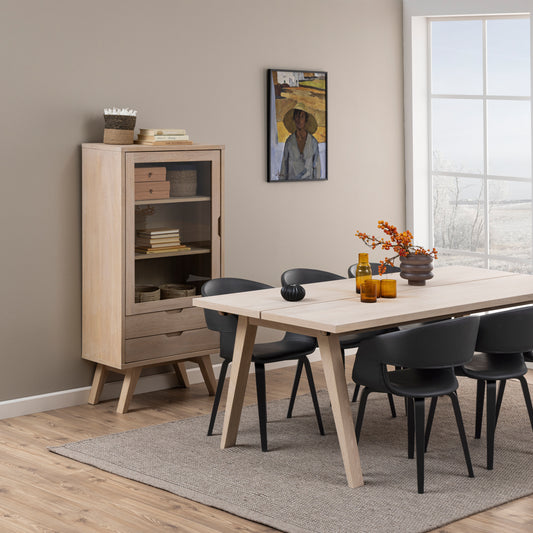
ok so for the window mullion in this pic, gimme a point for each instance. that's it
(485, 146)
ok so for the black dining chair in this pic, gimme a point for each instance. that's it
(427, 356)
(505, 340)
(291, 347)
(350, 340)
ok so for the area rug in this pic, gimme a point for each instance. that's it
(299, 485)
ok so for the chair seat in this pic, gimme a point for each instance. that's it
(352, 340)
(495, 366)
(286, 349)
(425, 383)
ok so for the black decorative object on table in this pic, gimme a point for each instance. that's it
(293, 292)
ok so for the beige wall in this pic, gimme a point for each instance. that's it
(200, 65)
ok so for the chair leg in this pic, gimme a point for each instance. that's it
(419, 432)
(261, 403)
(462, 433)
(218, 394)
(527, 398)
(356, 392)
(410, 428)
(295, 387)
(361, 412)
(311, 381)
(491, 422)
(392, 407)
(501, 389)
(480, 400)
(429, 423)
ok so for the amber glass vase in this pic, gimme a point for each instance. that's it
(362, 271)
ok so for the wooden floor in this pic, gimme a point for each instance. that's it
(41, 491)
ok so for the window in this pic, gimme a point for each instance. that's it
(480, 141)
(467, 71)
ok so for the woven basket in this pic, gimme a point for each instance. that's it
(183, 182)
(174, 290)
(146, 293)
(118, 129)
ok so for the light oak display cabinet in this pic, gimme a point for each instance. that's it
(151, 223)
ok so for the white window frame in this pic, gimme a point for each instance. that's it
(416, 95)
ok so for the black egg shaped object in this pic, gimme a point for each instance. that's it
(293, 293)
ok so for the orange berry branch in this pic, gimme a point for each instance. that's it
(401, 243)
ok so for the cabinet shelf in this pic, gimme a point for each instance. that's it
(193, 251)
(175, 200)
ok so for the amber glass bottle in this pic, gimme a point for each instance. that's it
(362, 271)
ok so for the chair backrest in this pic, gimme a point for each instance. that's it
(442, 344)
(226, 325)
(307, 275)
(374, 267)
(506, 331)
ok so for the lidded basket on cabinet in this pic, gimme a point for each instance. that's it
(183, 181)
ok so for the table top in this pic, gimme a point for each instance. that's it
(334, 307)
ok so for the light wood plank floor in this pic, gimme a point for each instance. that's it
(41, 491)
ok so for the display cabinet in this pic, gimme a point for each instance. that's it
(152, 234)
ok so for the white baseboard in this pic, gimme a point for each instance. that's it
(69, 398)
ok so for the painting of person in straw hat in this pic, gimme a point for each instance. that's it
(301, 158)
(297, 125)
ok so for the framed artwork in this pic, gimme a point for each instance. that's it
(297, 125)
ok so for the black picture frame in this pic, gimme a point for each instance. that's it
(297, 125)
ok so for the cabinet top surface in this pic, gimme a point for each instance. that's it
(147, 148)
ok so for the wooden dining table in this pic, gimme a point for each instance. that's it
(331, 309)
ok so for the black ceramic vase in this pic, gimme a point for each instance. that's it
(416, 268)
(293, 293)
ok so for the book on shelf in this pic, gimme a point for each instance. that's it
(157, 244)
(162, 250)
(142, 137)
(145, 241)
(167, 131)
(162, 143)
(151, 232)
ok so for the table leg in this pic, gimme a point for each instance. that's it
(340, 405)
(240, 368)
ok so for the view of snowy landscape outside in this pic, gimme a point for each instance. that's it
(480, 117)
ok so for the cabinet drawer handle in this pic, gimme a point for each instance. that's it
(151, 191)
(174, 334)
(174, 311)
(149, 174)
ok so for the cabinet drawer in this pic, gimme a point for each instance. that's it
(164, 322)
(154, 346)
(150, 173)
(152, 190)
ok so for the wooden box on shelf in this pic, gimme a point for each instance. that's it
(118, 332)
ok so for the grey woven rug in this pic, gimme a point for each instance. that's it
(300, 486)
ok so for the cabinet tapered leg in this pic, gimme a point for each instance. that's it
(204, 362)
(181, 374)
(100, 374)
(128, 386)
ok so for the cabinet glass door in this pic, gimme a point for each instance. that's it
(172, 228)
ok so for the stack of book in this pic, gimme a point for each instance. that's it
(162, 137)
(158, 241)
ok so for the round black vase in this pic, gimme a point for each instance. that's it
(293, 293)
(416, 268)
